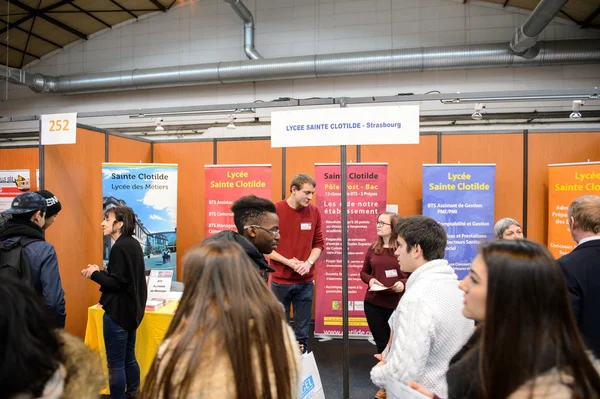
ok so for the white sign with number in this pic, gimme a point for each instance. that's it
(58, 129)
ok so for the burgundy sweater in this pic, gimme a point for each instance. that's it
(300, 232)
(375, 267)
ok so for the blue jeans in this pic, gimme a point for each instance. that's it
(301, 296)
(123, 368)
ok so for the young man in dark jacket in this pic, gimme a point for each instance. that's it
(28, 216)
(257, 230)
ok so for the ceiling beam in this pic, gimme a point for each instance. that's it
(570, 17)
(40, 13)
(28, 37)
(20, 51)
(124, 9)
(590, 18)
(30, 15)
(100, 11)
(91, 15)
(160, 6)
(33, 34)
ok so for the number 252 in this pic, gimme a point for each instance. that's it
(59, 125)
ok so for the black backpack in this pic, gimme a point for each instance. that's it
(13, 261)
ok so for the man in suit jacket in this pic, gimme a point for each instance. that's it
(582, 268)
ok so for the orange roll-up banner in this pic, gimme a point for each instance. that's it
(567, 182)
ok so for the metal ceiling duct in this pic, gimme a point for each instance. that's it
(498, 55)
(242, 11)
(525, 37)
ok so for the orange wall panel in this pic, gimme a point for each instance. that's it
(121, 149)
(74, 174)
(506, 151)
(191, 158)
(550, 148)
(405, 175)
(21, 158)
(253, 152)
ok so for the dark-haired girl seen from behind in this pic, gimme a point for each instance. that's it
(123, 287)
(37, 360)
(528, 345)
(229, 337)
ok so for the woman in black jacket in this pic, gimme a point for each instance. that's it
(123, 287)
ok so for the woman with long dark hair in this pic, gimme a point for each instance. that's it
(123, 287)
(37, 360)
(528, 345)
(229, 337)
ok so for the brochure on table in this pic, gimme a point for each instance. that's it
(159, 285)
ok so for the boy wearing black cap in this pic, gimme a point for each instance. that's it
(28, 213)
(53, 206)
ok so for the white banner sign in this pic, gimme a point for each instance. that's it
(58, 128)
(345, 126)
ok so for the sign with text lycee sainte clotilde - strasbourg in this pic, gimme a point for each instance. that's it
(58, 128)
(345, 126)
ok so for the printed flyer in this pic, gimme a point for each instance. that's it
(366, 199)
(151, 191)
(227, 183)
(461, 198)
(12, 183)
(565, 183)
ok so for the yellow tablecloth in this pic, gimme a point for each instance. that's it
(150, 334)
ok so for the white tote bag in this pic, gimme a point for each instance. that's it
(310, 378)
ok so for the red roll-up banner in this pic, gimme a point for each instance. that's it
(366, 197)
(226, 183)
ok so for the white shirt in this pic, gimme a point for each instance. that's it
(428, 328)
(584, 240)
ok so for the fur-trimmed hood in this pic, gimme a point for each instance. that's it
(551, 385)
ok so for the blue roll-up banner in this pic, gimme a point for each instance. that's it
(461, 198)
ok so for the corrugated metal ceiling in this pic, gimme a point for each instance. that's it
(30, 29)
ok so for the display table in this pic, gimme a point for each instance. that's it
(150, 334)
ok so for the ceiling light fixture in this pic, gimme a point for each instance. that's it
(159, 127)
(231, 124)
(577, 104)
(477, 114)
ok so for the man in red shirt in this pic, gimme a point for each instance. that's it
(299, 248)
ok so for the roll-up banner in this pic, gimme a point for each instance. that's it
(12, 183)
(226, 183)
(565, 183)
(151, 191)
(367, 192)
(461, 198)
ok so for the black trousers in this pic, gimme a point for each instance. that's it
(377, 318)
